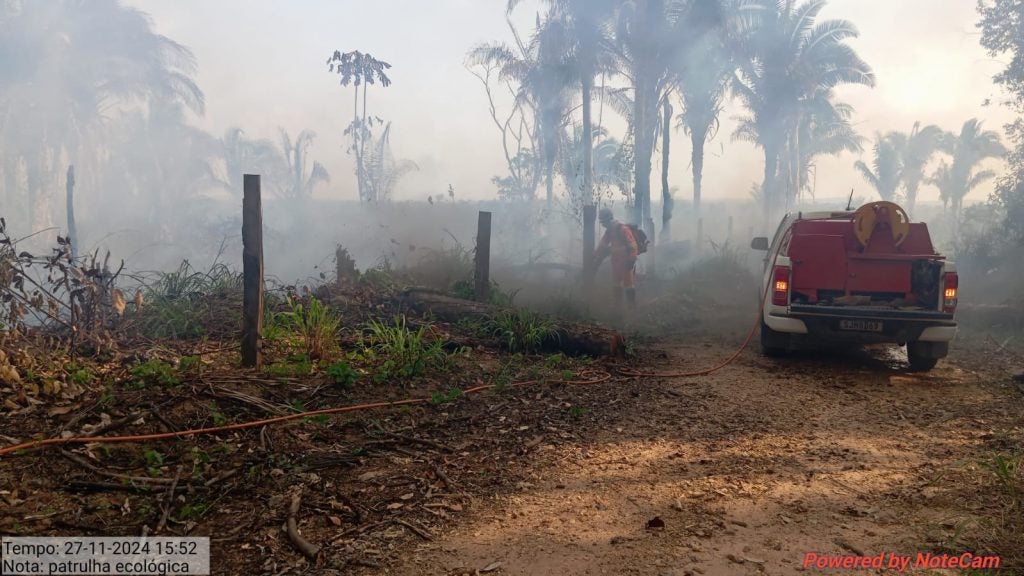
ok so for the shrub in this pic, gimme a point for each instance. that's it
(315, 323)
(522, 330)
(405, 353)
(154, 373)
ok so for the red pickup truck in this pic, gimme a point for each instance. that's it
(864, 276)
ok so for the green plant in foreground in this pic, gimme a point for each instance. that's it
(451, 395)
(406, 353)
(315, 323)
(342, 373)
(154, 373)
(193, 511)
(295, 366)
(522, 330)
(79, 374)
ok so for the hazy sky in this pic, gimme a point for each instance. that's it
(262, 65)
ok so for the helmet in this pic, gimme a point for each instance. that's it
(605, 215)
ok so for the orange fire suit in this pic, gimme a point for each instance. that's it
(619, 243)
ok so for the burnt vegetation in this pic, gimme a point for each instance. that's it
(397, 388)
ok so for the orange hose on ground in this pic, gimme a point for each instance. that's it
(599, 377)
(704, 372)
(720, 365)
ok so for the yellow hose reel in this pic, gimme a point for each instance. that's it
(873, 214)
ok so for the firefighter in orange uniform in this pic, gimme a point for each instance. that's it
(619, 243)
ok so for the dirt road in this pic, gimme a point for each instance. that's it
(748, 470)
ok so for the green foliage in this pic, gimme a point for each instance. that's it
(186, 303)
(342, 373)
(554, 361)
(522, 330)
(193, 512)
(315, 323)
(188, 364)
(404, 353)
(466, 289)
(154, 460)
(576, 412)
(79, 374)
(451, 395)
(219, 419)
(295, 366)
(154, 372)
(1009, 473)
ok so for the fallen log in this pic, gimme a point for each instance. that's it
(570, 338)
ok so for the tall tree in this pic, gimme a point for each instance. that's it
(886, 169)
(825, 130)
(787, 60)
(360, 70)
(544, 70)
(586, 23)
(920, 146)
(703, 71)
(518, 127)
(1000, 24)
(74, 63)
(646, 41)
(968, 149)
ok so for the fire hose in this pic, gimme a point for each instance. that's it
(587, 377)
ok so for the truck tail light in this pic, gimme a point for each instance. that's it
(949, 292)
(780, 286)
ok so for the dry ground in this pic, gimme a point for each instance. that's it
(748, 469)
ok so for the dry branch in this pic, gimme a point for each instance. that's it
(308, 549)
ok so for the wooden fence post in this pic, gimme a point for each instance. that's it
(482, 276)
(252, 272)
(70, 198)
(589, 237)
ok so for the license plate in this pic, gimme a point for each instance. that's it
(861, 325)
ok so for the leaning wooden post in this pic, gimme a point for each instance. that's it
(252, 271)
(589, 237)
(70, 198)
(482, 276)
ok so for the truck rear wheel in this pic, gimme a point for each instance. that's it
(924, 355)
(773, 343)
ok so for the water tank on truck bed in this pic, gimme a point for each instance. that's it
(865, 276)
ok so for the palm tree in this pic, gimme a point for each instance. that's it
(383, 171)
(543, 68)
(359, 70)
(968, 149)
(243, 155)
(76, 62)
(788, 60)
(301, 181)
(886, 170)
(611, 170)
(826, 131)
(921, 145)
(586, 22)
(645, 41)
(702, 72)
